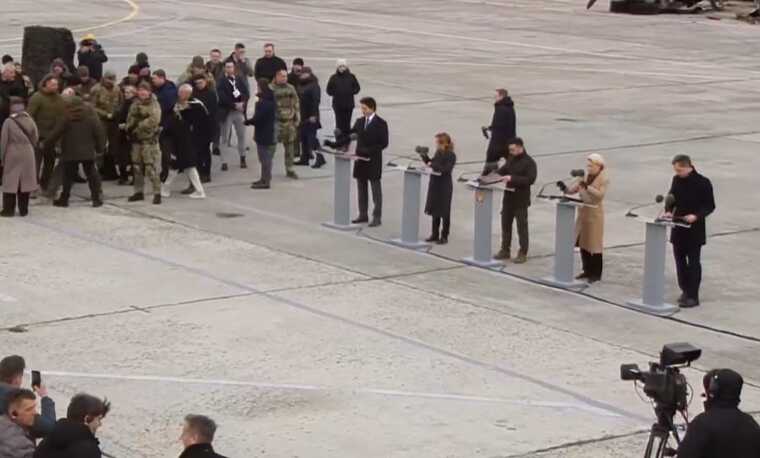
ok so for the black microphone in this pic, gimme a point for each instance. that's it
(670, 203)
(590, 4)
(577, 173)
(485, 129)
(657, 200)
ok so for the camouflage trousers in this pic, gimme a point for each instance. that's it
(287, 134)
(146, 162)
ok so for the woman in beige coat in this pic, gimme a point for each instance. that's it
(18, 138)
(589, 228)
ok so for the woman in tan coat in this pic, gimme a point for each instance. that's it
(18, 138)
(589, 228)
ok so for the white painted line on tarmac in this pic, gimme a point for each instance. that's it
(7, 298)
(315, 388)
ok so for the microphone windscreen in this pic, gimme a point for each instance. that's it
(670, 202)
(659, 198)
(577, 173)
(562, 186)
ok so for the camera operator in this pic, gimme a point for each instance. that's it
(92, 56)
(722, 430)
(11, 376)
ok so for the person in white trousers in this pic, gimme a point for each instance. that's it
(190, 127)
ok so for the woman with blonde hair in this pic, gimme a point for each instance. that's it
(441, 188)
(589, 228)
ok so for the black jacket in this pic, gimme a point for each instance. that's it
(440, 187)
(225, 92)
(370, 143)
(722, 431)
(69, 440)
(694, 196)
(266, 67)
(310, 96)
(210, 100)
(200, 451)
(342, 87)
(263, 120)
(503, 129)
(523, 171)
(94, 61)
(167, 97)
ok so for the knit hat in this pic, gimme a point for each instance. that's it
(342, 63)
(198, 62)
(596, 159)
(109, 75)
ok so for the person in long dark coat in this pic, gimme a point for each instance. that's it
(441, 188)
(206, 94)
(18, 140)
(372, 138)
(190, 128)
(342, 87)
(503, 129)
(310, 95)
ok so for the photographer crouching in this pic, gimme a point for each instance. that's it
(722, 430)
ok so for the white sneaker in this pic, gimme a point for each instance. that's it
(197, 195)
(165, 192)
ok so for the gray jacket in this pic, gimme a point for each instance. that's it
(14, 442)
(43, 424)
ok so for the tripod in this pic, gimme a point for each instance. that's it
(657, 446)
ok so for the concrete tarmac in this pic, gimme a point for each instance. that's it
(303, 341)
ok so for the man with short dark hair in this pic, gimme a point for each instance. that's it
(519, 173)
(143, 127)
(233, 98)
(268, 65)
(11, 376)
(166, 94)
(503, 129)
(294, 77)
(215, 66)
(74, 436)
(107, 99)
(197, 436)
(693, 203)
(288, 118)
(722, 430)
(372, 139)
(243, 67)
(16, 423)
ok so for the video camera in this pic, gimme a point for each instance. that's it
(663, 382)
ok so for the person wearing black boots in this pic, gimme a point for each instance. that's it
(263, 120)
(440, 187)
(18, 138)
(310, 95)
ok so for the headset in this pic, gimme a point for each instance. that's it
(714, 388)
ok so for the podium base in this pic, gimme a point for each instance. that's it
(418, 245)
(342, 227)
(486, 264)
(574, 284)
(659, 310)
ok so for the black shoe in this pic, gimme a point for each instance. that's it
(157, 199)
(319, 162)
(216, 152)
(224, 167)
(591, 280)
(689, 303)
(301, 162)
(189, 190)
(582, 276)
(63, 203)
(97, 203)
(205, 179)
(79, 179)
(260, 185)
(443, 241)
(291, 174)
(7, 213)
(375, 223)
(681, 299)
(432, 238)
(360, 220)
(123, 181)
(136, 197)
(243, 164)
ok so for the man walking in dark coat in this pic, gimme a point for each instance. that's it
(268, 65)
(722, 430)
(519, 172)
(210, 100)
(693, 203)
(372, 139)
(342, 87)
(74, 436)
(92, 56)
(503, 129)
(309, 95)
(197, 436)
(166, 94)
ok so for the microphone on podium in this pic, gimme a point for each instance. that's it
(658, 199)
(574, 174)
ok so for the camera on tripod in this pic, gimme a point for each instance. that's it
(667, 387)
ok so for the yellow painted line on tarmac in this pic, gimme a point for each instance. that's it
(135, 10)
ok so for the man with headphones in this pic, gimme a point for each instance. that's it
(16, 424)
(723, 430)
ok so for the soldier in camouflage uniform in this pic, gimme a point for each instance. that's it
(288, 117)
(143, 129)
(107, 99)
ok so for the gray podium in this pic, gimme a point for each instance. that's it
(410, 212)
(342, 192)
(653, 289)
(481, 243)
(563, 274)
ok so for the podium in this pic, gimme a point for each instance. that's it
(563, 274)
(481, 243)
(410, 213)
(653, 288)
(342, 191)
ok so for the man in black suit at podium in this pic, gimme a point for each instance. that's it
(372, 139)
(692, 203)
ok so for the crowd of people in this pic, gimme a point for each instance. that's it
(146, 126)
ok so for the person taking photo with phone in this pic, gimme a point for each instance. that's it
(11, 377)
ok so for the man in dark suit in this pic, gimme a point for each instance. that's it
(372, 139)
(693, 203)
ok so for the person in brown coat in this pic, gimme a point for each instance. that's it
(18, 138)
(589, 227)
